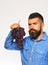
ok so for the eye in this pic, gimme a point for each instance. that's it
(35, 23)
(29, 24)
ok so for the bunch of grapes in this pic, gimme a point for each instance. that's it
(17, 34)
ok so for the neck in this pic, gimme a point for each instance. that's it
(39, 37)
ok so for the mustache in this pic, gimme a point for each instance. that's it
(32, 30)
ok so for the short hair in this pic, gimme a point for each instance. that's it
(35, 15)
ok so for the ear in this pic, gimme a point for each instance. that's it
(42, 25)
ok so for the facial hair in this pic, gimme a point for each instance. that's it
(34, 33)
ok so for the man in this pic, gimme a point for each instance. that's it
(35, 46)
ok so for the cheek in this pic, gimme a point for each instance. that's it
(37, 27)
(29, 27)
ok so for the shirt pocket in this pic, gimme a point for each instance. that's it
(39, 54)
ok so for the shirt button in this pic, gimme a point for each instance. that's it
(13, 40)
(32, 50)
(30, 59)
(35, 43)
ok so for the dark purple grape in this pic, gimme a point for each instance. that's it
(17, 34)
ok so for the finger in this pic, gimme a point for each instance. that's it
(15, 25)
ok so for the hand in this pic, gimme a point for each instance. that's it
(15, 25)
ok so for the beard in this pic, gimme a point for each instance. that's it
(34, 33)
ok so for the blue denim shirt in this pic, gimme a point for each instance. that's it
(33, 53)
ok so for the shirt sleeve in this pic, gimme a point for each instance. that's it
(9, 43)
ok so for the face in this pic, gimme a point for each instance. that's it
(35, 27)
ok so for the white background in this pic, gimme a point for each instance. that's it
(12, 11)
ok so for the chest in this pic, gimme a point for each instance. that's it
(35, 50)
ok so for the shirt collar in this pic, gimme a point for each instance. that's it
(44, 36)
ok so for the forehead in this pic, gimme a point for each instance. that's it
(34, 20)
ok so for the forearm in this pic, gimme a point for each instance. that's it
(10, 44)
(8, 41)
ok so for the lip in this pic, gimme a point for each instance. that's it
(32, 31)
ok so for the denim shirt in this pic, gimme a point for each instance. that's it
(33, 52)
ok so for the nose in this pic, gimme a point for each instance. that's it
(31, 26)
